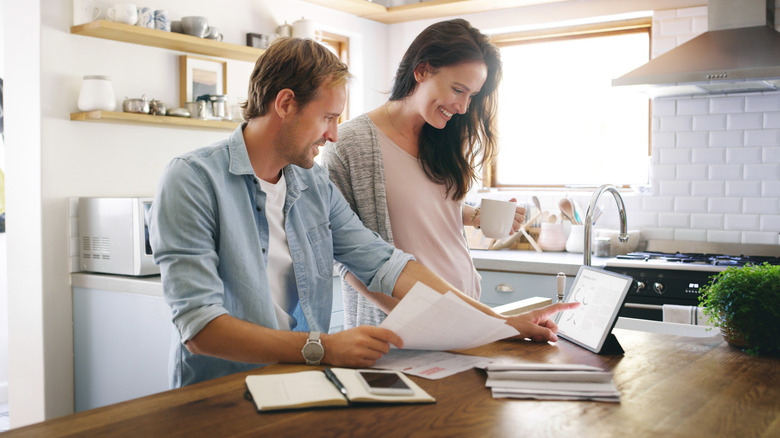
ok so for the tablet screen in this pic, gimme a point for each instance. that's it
(600, 294)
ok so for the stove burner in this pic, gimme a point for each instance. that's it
(702, 259)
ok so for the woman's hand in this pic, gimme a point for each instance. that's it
(519, 217)
(537, 325)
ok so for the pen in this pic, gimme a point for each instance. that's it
(336, 382)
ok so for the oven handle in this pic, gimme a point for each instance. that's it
(643, 306)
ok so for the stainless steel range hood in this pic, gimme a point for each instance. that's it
(739, 53)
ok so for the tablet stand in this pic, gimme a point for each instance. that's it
(611, 345)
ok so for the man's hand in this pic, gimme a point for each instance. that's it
(537, 325)
(359, 347)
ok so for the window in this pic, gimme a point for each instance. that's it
(560, 121)
(339, 45)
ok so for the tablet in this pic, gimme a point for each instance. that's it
(600, 294)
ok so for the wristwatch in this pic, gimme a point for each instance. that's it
(313, 350)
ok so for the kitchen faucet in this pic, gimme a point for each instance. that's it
(623, 236)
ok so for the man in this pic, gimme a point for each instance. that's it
(246, 231)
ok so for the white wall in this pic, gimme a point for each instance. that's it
(51, 158)
(3, 265)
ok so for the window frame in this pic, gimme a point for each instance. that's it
(340, 44)
(579, 31)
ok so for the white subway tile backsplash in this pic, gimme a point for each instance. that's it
(708, 188)
(771, 120)
(651, 233)
(743, 188)
(725, 172)
(708, 155)
(727, 139)
(771, 154)
(658, 203)
(765, 102)
(724, 236)
(692, 107)
(674, 220)
(696, 139)
(664, 140)
(691, 235)
(770, 223)
(706, 221)
(764, 137)
(745, 121)
(715, 172)
(676, 26)
(742, 222)
(762, 172)
(674, 156)
(724, 205)
(744, 155)
(692, 171)
(760, 206)
(770, 189)
(684, 204)
(675, 123)
(711, 122)
(664, 107)
(727, 105)
(674, 188)
(759, 237)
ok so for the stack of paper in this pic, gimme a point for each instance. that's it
(551, 382)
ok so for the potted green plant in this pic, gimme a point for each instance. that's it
(745, 303)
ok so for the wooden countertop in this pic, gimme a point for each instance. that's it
(670, 385)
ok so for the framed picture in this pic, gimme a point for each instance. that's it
(198, 76)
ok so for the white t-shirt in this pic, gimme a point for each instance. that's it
(281, 277)
(426, 222)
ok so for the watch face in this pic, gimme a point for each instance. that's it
(313, 352)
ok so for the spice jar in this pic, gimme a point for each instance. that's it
(96, 94)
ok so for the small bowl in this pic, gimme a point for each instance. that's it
(179, 112)
(135, 106)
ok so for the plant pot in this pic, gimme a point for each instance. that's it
(734, 338)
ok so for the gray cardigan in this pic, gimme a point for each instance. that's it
(356, 168)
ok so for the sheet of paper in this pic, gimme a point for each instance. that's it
(427, 320)
(429, 364)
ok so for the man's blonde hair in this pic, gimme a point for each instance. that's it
(301, 65)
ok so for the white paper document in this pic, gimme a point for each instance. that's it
(429, 364)
(551, 382)
(428, 320)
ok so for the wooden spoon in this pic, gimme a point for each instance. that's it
(567, 210)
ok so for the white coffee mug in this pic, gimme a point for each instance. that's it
(123, 13)
(305, 28)
(84, 11)
(496, 218)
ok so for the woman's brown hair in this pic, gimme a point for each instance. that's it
(451, 155)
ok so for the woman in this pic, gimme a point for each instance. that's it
(406, 166)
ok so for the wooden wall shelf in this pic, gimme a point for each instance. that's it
(146, 119)
(166, 40)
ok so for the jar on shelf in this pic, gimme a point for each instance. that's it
(96, 94)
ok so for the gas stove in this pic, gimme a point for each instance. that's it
(664, 276)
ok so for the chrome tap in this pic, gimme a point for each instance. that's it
(623, 236)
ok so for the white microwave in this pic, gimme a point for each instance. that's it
(114, 236)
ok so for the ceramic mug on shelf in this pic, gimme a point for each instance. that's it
(195, 26)
(214, 34)
(123, 13)
(145, 17)
(84, 11)
(496, 218)
(305, 28)
(162, 21)
(96, 94)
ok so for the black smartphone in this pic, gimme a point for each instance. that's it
(384, 382)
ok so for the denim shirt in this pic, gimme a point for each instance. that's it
(209, 234)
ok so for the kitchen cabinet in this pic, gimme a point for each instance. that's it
(166, 40)
(122, 334)
(499, 287)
